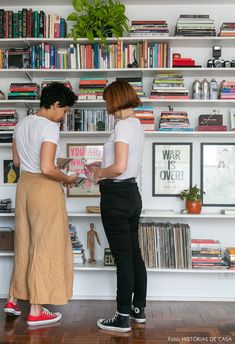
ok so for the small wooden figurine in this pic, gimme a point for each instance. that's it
(91, 235)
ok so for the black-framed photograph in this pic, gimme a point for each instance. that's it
(10, 173)
(218, 174)
(172, 168)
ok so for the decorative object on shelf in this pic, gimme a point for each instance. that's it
(218, 173)
(93, 209)
(91, 236)
(83, 153)
(134, 64)
(98, 18)
(232, 117)
(6, 239)
(182, 62)
(211, 122)
(108, 257)
(10, 173)
(193, 197)
(172, 168)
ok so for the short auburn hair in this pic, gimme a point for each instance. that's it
(120, 95)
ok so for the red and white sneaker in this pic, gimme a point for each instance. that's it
(45, 317)
(12, 308)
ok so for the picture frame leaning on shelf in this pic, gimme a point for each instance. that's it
(9, 173)
(232, 117)
(218, 174)
(83, 153)
(172, 168)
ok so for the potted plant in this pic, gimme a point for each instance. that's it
(98, 18)
(193, 197)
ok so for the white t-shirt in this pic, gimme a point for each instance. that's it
(130, 131)
(29, 135)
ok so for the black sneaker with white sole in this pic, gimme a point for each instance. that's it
(120, 322)
(138, 315)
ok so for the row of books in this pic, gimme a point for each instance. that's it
(87, 56)
(28, 23)
(165, 245)
(8, 119)
(91, 88)
(88, 120)
(195, 25)
(24, 91)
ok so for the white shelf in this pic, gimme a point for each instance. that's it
(153, 102)
(5, 145)
(25, 3)
(85, 133)
(114, 71)
(6, 254)
(149, 215)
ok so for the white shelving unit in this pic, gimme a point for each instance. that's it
(167, 284)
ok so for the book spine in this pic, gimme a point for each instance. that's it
(24, 22)
(20, 23)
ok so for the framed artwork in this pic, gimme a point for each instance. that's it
(10, 173)
(232, 117)
(80, 153)
(172, 168)
(218, 174)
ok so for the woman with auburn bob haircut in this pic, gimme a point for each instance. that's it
(121, 204)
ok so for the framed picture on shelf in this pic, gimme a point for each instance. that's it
(218, 174)
(232, 116)
(172, 168)
(10, 173)
(83, 152)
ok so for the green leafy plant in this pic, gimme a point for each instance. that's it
(98, 18)
(192, 194)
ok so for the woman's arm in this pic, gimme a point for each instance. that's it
(118, 167)
(47, 166)
(15, 155)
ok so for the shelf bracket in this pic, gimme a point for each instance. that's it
(27, 43)
(28, 75)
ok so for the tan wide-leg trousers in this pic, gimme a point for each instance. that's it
(43, 266)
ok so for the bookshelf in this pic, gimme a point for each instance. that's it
(187, 283)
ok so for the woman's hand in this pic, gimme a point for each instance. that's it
(97, 174)
(71, 180)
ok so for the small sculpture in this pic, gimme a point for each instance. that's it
(91, 235)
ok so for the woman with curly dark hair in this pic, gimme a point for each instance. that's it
(43, 265)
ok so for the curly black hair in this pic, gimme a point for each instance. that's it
(57, 92)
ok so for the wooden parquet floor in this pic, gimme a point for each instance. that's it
(167, 322)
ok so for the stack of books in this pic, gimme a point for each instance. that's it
(91, 88)
(229, 256)
(29, 23)
(195, 25)
(5, 205)
(207, 254)
(227, 29)
(24, 91)
(146, 117)
(149, 28)
(227, 90)
(183, 62)
(174, 121)
(78, 250)
(137, 84)
(8, 119)
(165, 245)
(169, 86)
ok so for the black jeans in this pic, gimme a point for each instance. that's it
(120, 211)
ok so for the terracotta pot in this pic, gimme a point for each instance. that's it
(194, 207)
